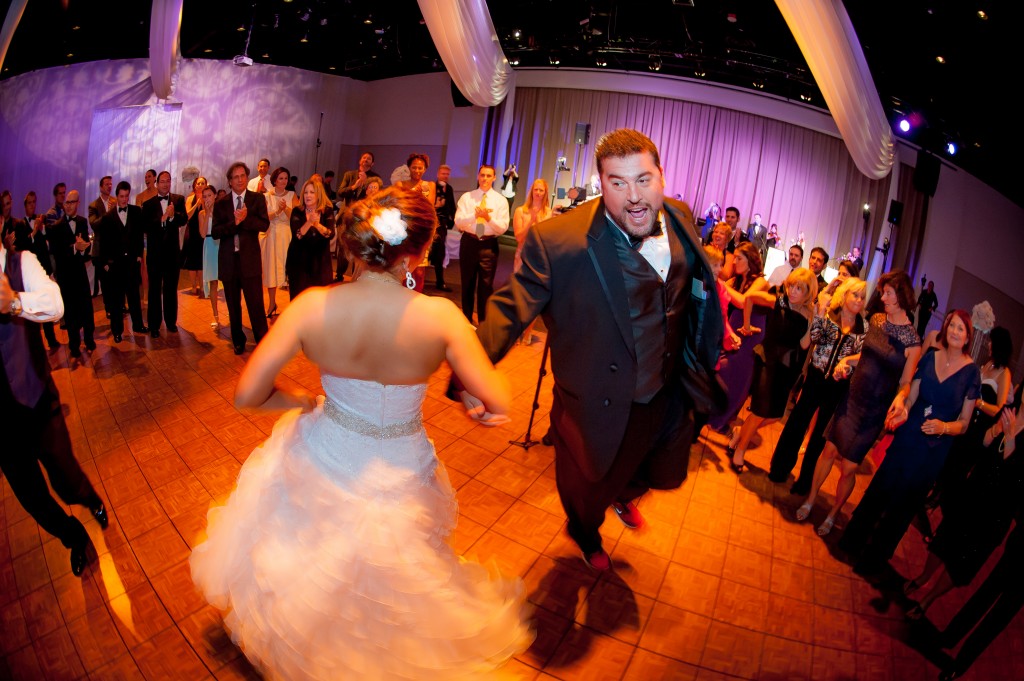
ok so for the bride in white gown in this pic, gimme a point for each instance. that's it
(330, 559)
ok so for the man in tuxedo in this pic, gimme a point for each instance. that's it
(121, 232)
(71, 242)
(444, 206)
(238, 219)
(351, 189)
(482, 216)
(757, 234)
(163, 215)
(635, 327)
(103, 204)
(31, 418)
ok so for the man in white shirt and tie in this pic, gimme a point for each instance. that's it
(261, 183)
(481, 216)
(779, 274)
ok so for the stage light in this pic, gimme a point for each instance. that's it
(904, 125)
(600, 60)
(982, 15)
(75, 28)
(368, 20)
(655, 63)
(940, 59)
(517, 34)
(554, 61)
(700, 73)
(512, 62)
(304, 39)
(951, 149)
(207, 50)
(866, 208)
(240, 29)
(331, 68)
(266, 55)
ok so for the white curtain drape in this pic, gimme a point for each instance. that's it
(11, 21)
(126, 141)
(465, 38)
(826, 37)
(164, 31)
(803, 180)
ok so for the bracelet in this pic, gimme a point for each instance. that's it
(944, 427)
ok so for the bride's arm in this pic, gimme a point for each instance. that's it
(470, 363)
(256, 389)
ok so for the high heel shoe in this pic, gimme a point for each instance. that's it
(273, 313)
(737, 468)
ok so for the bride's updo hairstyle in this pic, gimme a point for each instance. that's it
(390, 225)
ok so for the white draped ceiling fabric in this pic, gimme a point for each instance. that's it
(164, 32)
(11, 22)
(826, 37)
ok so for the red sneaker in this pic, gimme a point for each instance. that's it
(598, 560)
(629, 514)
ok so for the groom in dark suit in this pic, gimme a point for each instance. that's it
(634, 327)
(164, 214)
(238, 218)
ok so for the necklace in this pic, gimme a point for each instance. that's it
(378, 276)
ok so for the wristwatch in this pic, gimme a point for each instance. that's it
(15, 307)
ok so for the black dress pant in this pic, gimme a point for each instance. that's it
(654, 454)
(992, 607)
(123, 280)
(40, 436)
(50, 335)
(478, 261)
(78, 314)
(252, 288)
(436, 256)
(819, 394)
(163, 269)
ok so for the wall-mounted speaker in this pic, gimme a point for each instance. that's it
(895, 211)
(582, 133)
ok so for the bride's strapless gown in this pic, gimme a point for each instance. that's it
(330, 559)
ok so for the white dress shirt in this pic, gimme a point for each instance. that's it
(465, 212)
(254, 184)
(40, 301)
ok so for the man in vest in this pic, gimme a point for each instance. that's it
(31, 417)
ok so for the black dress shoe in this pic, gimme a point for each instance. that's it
(172, 329)
(239, 349)
(79, 559)
(155, 333)
(100, 514)
(117, 338)
(90, 345)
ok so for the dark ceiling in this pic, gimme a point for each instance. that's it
(744, 43)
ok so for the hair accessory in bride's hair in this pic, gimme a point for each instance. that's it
(390, 226)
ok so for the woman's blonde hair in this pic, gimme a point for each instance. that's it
(322, 202)
(851, 286)
(806, 280)
(724, 228)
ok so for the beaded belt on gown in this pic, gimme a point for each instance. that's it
(358, 424)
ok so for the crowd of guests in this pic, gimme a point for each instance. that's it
(864, 380)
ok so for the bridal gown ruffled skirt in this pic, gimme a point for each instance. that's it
(330, 559)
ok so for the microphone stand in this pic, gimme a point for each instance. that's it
(528, 440)
(316, 159)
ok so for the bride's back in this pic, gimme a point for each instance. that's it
(375, 329)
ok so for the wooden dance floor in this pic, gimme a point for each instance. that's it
(722, 583)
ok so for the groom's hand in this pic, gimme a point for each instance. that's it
(476, 410)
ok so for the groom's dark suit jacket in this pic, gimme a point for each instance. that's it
(572, 277)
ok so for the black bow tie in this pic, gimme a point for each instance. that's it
(123, 210)
(635, 243)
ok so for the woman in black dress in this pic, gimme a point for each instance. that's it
(937, 409)
(836, 335)
(779, 358)
(308, 261)
(976, 515)
(885, 368)
(192, 253)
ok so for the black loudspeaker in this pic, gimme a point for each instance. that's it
(895, 211)
(926, 174)
(457, 97)
(582, 133)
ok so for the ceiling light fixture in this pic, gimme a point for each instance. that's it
(368, 20)
(700, 73)
(207, 51)
(553, 60)
(951, 149)
(940, 59)
(904, 125)
(982, 15)
(654, 63)
(240, 29)
(601, 61)
(304, 39)
(517, 34)
(331, 68)
(75, 28)
(512, 62)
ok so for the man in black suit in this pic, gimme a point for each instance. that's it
(71, 243)
(352, 189)
(121, 233)
(444, 206)
(238, 218)
(103, 204)
(757, 234)
(164, 214)
(635, 328)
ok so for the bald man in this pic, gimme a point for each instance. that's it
(71, 245)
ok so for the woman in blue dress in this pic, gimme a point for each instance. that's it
(939, 408)
(737, 371)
